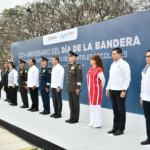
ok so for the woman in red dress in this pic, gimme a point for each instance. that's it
(95, 83)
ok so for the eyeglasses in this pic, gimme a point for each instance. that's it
(147, 56)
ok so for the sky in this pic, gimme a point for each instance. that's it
(6, 4)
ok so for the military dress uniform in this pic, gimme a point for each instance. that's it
(5, 82)
(3, 72)
(23, 82)
(44, 82)
(74, 81)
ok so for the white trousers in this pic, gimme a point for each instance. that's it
(95, 116)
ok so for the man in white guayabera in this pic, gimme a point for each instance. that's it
(145, 96)
(118, 83)
(57, 79)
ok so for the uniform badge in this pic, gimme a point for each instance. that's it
(44, 70)
(49, 71)
(80, 67)
(26, 71)
(72, 67)
(67, 66)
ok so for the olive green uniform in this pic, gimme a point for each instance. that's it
(74, 81)
(23, 82)
(5, 82)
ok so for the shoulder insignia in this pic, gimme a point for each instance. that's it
(80, 67)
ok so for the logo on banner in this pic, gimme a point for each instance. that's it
(63, 36)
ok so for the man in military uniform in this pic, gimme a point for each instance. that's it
(44, 86)
(5, 80)
(74, 84)
(22, 83)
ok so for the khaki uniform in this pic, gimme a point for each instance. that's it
(23, 82)
(74, 81)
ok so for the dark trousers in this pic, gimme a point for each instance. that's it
(34, 98)
(46, 100)
(24, 95)
(57, 101)
(146, 107)
(119, 110)
(7, 91)
(13, 93)
(74, 105)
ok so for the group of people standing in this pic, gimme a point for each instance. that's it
(49, 79)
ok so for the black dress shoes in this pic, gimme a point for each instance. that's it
(24, 106)
(111, 131)
(145, 142)
(41, 112)
(29, 109)
(69, 120)
(53, 115)
(118, 132)
(57, 116)
(13, 104)
(73, 121)
(46, 113)
(6, 99)
(34, 110)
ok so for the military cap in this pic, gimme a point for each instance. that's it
(10, 61)
(72, 54)
(43, 58)
(21, 61)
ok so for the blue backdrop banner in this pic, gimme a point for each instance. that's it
(131, 33)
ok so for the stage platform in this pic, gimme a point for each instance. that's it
(61, 135)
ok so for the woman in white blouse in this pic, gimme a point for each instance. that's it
(13, 84)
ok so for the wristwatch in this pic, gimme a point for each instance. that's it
(123, 90)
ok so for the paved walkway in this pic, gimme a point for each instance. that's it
(9, 141)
